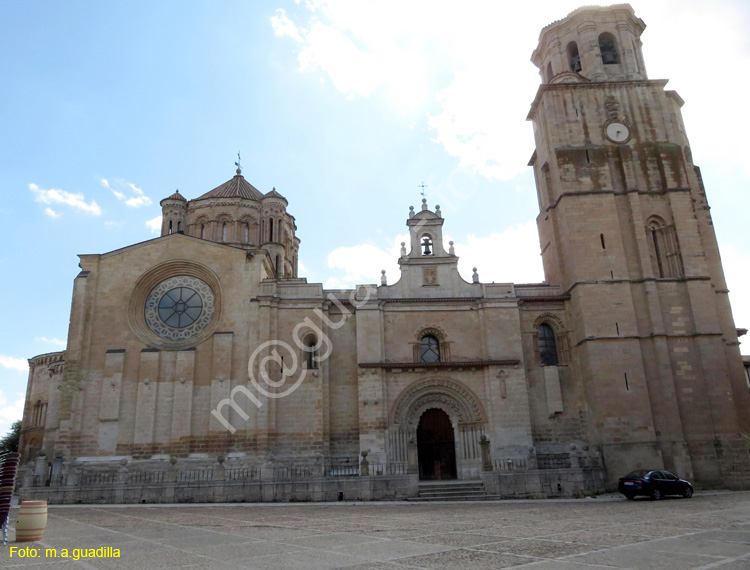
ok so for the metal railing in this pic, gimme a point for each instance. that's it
(242, 474)
(510, 464)
(553, 461)
(144, 477)
(196, 475)
(292, 472)
(98, 478)
(548, 461)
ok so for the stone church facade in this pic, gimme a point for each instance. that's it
(200, 366)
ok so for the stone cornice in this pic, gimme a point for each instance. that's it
(546, 299)
(611, 192)
(47, 358)
(597, 85)
(640, 280)
(421, 366)
(434, 300)
(214, 202)
(646, 337)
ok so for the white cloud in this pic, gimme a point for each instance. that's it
(451, 68)
(10, 412)
(474, 83)
(359, 264)
(140, 199)
(55, 341)
(301, 268)
(283, 26)
(509, 256)
(13, 363)
(51, 213)
(154, 224)
(56, 196)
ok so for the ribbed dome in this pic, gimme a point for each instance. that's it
(274, 194)
(237, 187)
(175, 196)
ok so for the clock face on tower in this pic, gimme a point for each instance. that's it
(617, 132)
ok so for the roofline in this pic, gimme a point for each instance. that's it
(168, 236)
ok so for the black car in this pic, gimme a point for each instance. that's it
(655, 484)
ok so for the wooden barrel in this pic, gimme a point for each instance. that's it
(32, 520)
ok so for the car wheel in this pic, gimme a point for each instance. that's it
(687, 492)
(629, 496)
(656, 495)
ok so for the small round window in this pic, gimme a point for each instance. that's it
(179, 307)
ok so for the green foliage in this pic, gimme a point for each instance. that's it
(10, 441)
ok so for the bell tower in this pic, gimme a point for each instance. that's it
(625, 229)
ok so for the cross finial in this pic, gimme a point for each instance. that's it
(237, 164)
(422, 186)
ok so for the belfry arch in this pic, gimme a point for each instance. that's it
(467, 417)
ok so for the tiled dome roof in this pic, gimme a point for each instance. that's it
(236, 187)
(274, 194)
(175, 196)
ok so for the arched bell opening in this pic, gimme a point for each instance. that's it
(436, 446)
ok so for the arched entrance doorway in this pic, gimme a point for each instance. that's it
(436, 446)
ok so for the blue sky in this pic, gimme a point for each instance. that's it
(344, 107)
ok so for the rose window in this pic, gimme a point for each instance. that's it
(179, 307)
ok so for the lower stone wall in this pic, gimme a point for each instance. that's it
(545, 483)
(360, 488)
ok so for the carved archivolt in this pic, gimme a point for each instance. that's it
(449, 395)
(549, 319)
(142, 321)
(432, 330)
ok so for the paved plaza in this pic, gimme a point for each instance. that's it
(711, 530)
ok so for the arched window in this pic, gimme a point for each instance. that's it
(179, 227)
(170, 227)
(548, 183)
(549, 71)
(39, 415)
(574, 60)
(224, 232)
(547, 346)
(247, 232)
(429, 349)
(203, 231)
(310, 343)
(665, 249)
(608, 49)
(427, 248)
(270, 230)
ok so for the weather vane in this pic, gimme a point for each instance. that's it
(422, 186)
(239, 159)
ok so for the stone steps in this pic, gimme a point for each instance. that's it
(452, 491)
